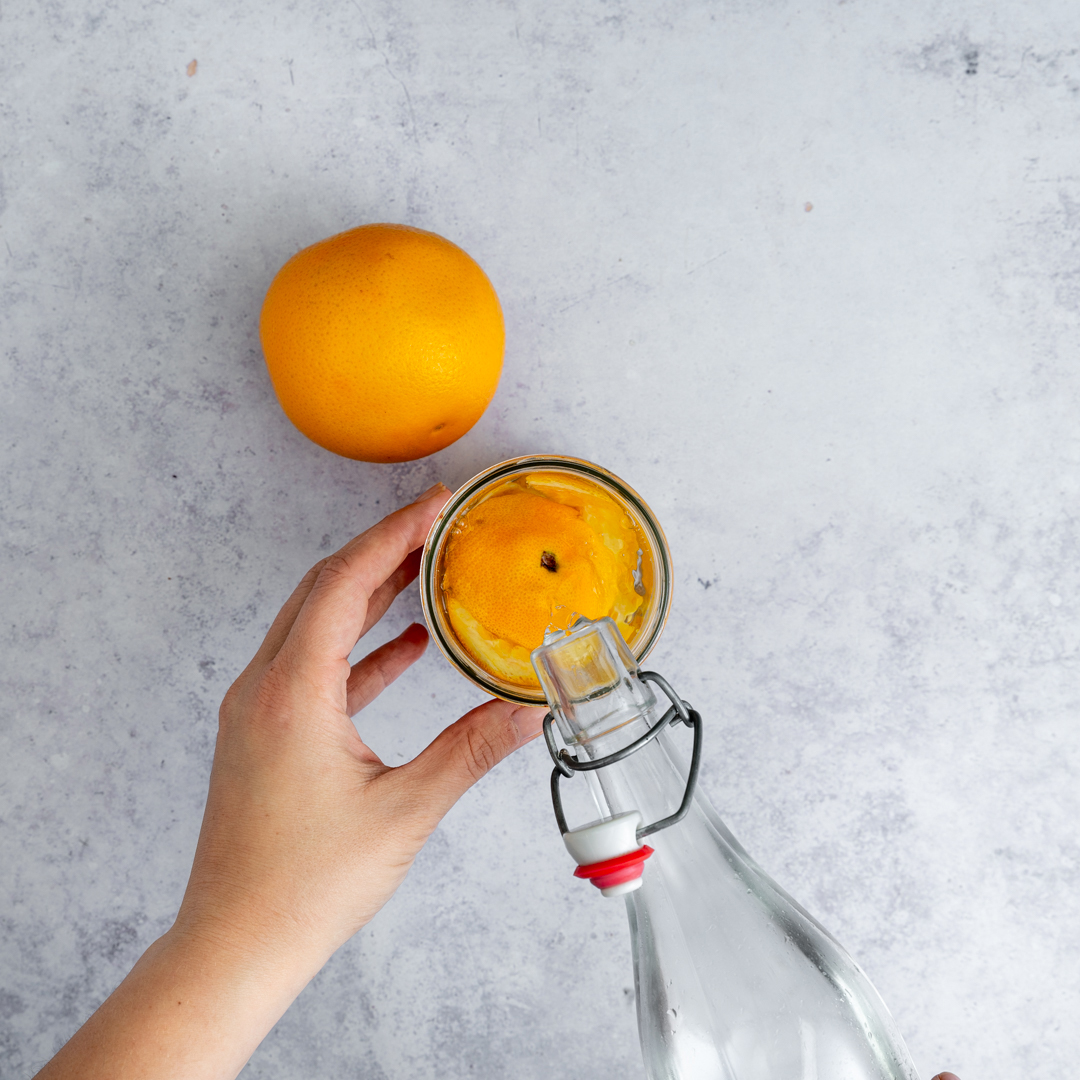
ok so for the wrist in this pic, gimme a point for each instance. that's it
(194, 1007)
(242, 940)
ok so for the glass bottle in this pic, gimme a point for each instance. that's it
(735, 980)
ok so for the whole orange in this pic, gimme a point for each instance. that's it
(384, 343)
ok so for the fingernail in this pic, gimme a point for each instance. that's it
(529, 723)
(416, 633)
(436, 487)
(946, 1076)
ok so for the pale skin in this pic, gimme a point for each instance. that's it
(306, 833)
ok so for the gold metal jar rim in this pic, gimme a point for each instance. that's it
(461, 500)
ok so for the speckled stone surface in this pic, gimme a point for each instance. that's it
(806, 275)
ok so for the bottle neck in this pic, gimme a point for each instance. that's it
(601, 705)
(651, 780)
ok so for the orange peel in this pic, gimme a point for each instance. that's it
(529, 559)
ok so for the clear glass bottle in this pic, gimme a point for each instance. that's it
(735, 980)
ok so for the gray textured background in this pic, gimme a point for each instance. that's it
(805, 275)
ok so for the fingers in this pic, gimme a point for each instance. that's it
(283, 621)
(372, 675)
(467, 750)
(333, 616)
(380, 600)
(946, 1076)
(385, 594)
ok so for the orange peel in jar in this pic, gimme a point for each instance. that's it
(529, 559)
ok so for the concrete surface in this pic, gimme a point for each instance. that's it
(805, 275)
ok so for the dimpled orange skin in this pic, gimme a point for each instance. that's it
(495, 568)
(384, 343)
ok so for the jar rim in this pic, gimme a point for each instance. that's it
(447, 642)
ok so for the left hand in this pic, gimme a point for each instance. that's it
(306, 832)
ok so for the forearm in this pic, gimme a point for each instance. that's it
(306, 834)
(191, 1008)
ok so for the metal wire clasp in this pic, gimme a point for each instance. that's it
(566, 764)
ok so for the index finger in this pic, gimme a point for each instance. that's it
(330, 623)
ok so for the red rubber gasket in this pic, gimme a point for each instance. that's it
(615, 871)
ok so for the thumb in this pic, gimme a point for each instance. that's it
(468, 749)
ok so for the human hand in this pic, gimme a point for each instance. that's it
(306, 832)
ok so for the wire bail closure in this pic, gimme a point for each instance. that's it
(566, 764)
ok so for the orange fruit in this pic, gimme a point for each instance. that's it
(524, 563)
(384, 343)
(539, 552)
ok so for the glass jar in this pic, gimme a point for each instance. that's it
(652, 576)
